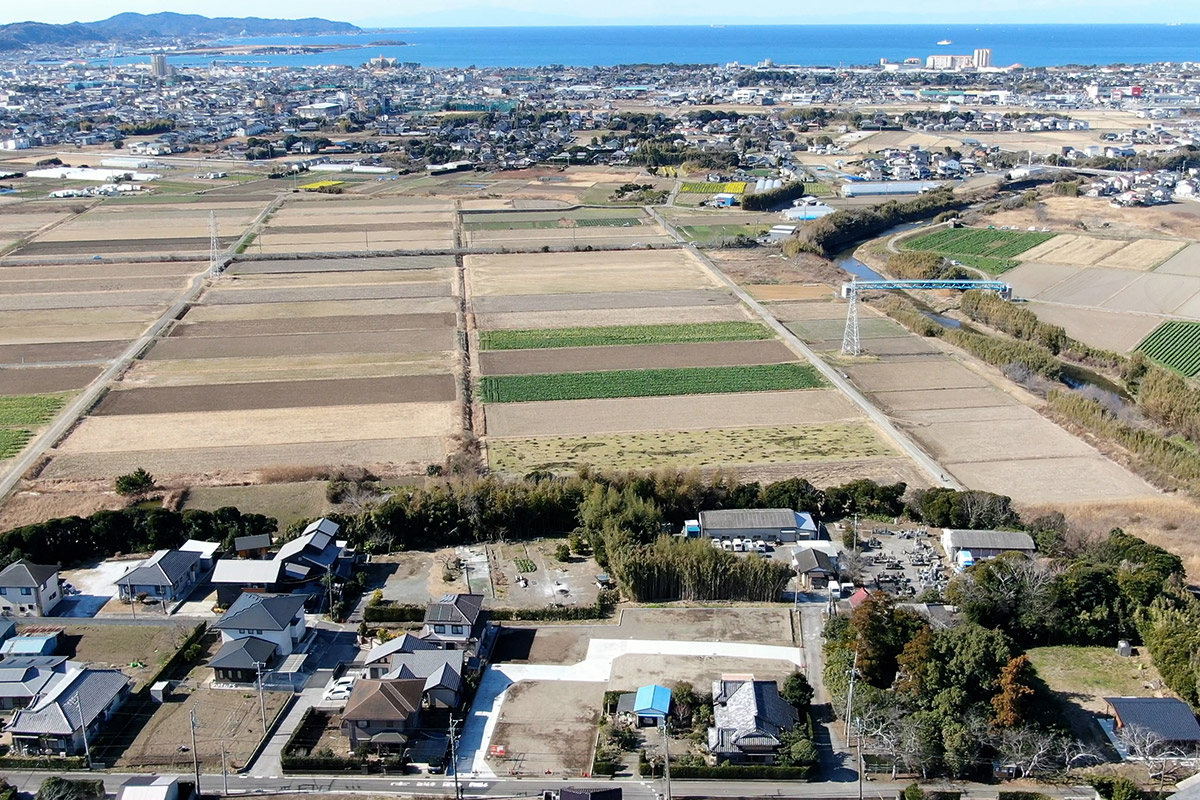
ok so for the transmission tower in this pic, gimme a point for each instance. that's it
(851, 343)
(214, 244)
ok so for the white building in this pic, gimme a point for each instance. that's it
(28, 589)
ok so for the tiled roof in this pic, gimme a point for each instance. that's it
(455, 609)
(748, 713)
(263, 612)
(244, 653)
(384, 699)
(406, 643)
(75, 695)
(26, 574)
(1169, 717)
(164, 568)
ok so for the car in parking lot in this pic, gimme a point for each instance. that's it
(337, 693)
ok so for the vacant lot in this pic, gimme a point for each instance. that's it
(279, 394)
(548, 726)
(623, 335)
(707, 448)
(38, 380)
(1077, 251)
(648, 382)
(331, 324)
(301, 309)
(196, 371)
(601, 301)
(1109, 330)
(1186, 262)
(566, 273)
(137, 650)
(576, 417)
(286, 502)
(716, 312)
(1143, 254)
(706, 354)
(302, 344)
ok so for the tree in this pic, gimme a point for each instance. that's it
(135, 483)
(1009, 704)
(56, 788)
(563, 551)
(798, 691)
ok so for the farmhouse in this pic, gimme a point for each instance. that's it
(749, 719)
(82, 699)
(768, 524)
(28, 589)
(985, 544)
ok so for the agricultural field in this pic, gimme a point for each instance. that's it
(648, 383)
(705, 187)
(623, 335)
(579, 273)
(21, 416)
(715, 234)
(238, 392)
(983, 248)
(598, 227)
(1175, 344)
(318, 223)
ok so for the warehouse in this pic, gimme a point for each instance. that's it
(985, 544)
(767, 524)
(871, 188)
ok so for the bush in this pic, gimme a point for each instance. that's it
(135, 483)
(1116, 788)
(563, 552)
(734, 772)
(394, 613)
(56, 788)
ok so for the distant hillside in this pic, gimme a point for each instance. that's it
(130, 27)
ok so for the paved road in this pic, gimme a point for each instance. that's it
(833, 375)
(88, 397)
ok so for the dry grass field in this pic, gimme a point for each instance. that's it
(341, 224)
(1082, 214)
(586, 318)
(567, 273)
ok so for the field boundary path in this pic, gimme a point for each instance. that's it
(596, 667)
(66, 418)
(902, 440)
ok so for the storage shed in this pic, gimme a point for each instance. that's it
(768, 524)
(986, 544)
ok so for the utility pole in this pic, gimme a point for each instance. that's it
(454, 757)
(861, 761)
(87, 750)
(195, 756)
(666, 761)
(224, 771)
(262, 705)
(850, 694)
(856, 533)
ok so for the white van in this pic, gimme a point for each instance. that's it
(739, 546)
(727, 545)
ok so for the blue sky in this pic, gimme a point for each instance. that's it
(410, 13)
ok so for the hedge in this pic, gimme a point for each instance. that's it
(401, 613)
(1022, 796)
(740, 772)
(601, 609)
(43, 763)
(321, 764)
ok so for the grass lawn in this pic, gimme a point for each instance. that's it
(1095, 671)
(709, 234)
(623, 334)
(704, 448)
(286, 502)
(648, 382)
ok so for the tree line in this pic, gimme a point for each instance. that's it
(834, 231)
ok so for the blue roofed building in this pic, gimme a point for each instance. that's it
(651, 705)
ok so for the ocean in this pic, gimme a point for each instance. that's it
(808, 45)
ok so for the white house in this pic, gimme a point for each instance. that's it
(28, 589)
(255, 630)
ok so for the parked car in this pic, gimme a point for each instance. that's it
(337, 693)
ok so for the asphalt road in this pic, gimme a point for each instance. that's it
(834, 376)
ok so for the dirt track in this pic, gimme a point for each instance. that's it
(576, 359)
(279, 394)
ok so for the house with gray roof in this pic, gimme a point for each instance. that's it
(749, 719)
(383, 657)
(239, 660)
(168, 576)
(298, 565)
(441, 670)
(28, 589)
(458, 622)
(23, 678)
(234, 576)
(382, 714)
(1169, 718)
(79, 700)
(277, 619)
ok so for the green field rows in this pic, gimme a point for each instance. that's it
(707, 234)
(648, 383)
(1175, 345)
(12, 440)
(623, 334)
(30, 409)
(971, 242)
(704, 187)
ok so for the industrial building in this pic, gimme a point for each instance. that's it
(767, 524)
(985, 544)
(870, 188)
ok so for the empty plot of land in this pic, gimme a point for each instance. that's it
(291, 280)
(1032, 278)
(236, 462)
(194, 371)
(1186, 262)
(548, 726)
(1110, 330)
(331, 324)
(599, 301)
(998, 433)
(279, 394)
(71, 333)
(569, 273)
(1090, 287)
(52, 352)
(691, 448)
(299, 344)
(288, 310)
(1054, 480)
(341, 264)
(1080, 251)
(86, 316)
(618, 316)
(1142, 254)
(703, 354)
(228, 296)
(187, 430)
(576, 417)
(796, 312)
(1155, 294)
(94, 270)
(939, 373)
(770, 291)
(41, 380)
(99, 284)
(904, 400)
(86, 300)
(868, 327)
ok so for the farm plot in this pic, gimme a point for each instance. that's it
(21, 415)
(623, 335)
(40, 380)
(1175, 344)
(587, 318)
(985, 248)
(1077, 251)
(588, 225)
(702, 448)
(574, 273)
(599, 301)
(1142, 254)
(337, 225)
(648, 382)
(1185, 262)
(301, 344)
(713, 234)
(691, 354)
(706, 187)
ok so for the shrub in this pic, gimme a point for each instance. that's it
(563, 552)
(135, 483)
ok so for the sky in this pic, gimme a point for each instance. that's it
(454, 13)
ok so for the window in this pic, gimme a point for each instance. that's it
(26, 591)
(456, 629)
(439, 628)
(362, 723)
(3, 591)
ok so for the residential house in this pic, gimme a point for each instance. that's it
(208, 553)
(257, 546)
(313, 553)
(275, 623)
(382, 712)
(384, 657)
(815, 567)
(22, 678)
(233, 577)
(33, 643)
(458, 622)
(76, 704)
(749, 720)
(299, 564)
(28, 589)
(168, 576)
(1168, 718)
(440, 670)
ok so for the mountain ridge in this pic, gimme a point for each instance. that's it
(130, 27)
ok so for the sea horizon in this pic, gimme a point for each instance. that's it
(833, 45)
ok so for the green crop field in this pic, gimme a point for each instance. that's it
(970, 242)
(12, 440)
(32, 409)
(704, 187)
(1175, 345)
(709, 234)
(648, 383)
(623, 334)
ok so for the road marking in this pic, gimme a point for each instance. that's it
(477, 785)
